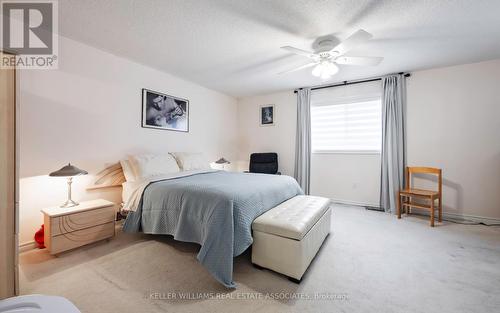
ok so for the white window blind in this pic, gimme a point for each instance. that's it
(347, 119)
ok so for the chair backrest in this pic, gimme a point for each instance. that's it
(265, 163)
(424, 170)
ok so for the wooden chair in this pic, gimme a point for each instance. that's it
(430, 196)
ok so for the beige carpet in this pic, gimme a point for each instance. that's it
(371, 262)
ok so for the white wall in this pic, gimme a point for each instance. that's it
(346, 177)
(279, 138)
(89, 113)
(452, 123)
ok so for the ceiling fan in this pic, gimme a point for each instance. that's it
(328, 55)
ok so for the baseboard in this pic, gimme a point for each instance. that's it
(27, 246)
(355, 203)
(460, 217)
(474, 218)
(446, 215)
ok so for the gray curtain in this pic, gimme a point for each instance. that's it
(302, 171)
(393, 157)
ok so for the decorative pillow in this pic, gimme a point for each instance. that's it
(189, 161)
(128, 171)
(150, 165)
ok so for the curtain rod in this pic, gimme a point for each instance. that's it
(354, 82)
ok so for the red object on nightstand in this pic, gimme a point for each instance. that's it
(39, 237)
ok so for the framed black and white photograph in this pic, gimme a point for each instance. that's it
(267, 115)
(162, 111)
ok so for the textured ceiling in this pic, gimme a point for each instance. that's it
(233, 46)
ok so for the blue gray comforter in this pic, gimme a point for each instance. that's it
(214, 209)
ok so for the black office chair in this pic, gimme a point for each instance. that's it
(264, 163)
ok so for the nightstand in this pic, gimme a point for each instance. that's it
(69, 228)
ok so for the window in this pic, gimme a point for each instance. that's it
(348, 120)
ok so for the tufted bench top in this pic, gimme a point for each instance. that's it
(292, 218)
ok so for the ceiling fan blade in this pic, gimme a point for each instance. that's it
(352, 41)
(299, 68)
(368, 61)
(297, 51)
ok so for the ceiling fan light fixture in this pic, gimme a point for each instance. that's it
(328, 55)
(317, 70)
(325, 70)
(325, 75)
(331, 68)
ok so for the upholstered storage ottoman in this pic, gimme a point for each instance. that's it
(287, 237)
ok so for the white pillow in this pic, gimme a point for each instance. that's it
(129, 188)
(128, 171)
(150, 165)
(189, 161)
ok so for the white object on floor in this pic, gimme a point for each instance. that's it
(38, 304)
(287, 237)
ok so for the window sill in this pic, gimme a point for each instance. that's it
(357, 152)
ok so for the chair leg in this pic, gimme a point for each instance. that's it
(432, 212)
(440, 208)
(399, 205)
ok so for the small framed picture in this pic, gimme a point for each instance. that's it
(267, 115)
(162, 111)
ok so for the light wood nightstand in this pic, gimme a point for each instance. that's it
(69, 228)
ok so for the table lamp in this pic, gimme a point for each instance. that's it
(223, 162)
(68, 171)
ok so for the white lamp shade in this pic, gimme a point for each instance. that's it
(331, 68)
(325, 70)
(317, 70)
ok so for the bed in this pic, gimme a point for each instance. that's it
(212, 208)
